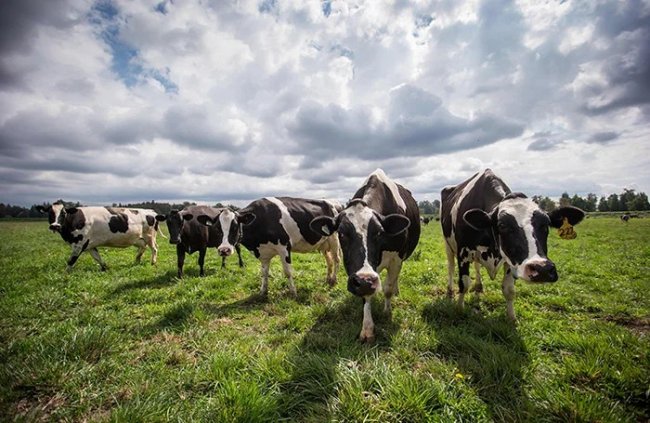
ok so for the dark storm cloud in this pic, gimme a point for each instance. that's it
(417, 125)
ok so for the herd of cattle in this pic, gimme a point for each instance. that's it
(483, 222)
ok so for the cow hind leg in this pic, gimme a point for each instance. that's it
(450, 271)
(508, 289)
(153, 246)
(95, 254)
(202, 252)
(142, 246)
(288, 271)
(265, 266)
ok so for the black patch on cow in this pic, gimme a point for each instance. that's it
(118, 223)
(83, 247)
(151, 221)
(303, 212)
(354, 252)
(540, 222)
(515, 195)
(513, 239)
(484, 255)
(72, 222)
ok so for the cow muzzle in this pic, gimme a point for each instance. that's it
(174, 241)
(224, 250)
(542, 271)
(362, 285)
(55, 227)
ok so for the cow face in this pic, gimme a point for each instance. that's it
(362, 234)
(55, 215)
(520, 229)
(227, 225)
(175, 222)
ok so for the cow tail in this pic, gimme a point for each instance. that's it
(156, 227)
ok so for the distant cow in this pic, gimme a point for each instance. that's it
(625, 217)
(485, 223)
(86, 228)
(379, 229)
(426, 220)
(189, 235)
(279, 226)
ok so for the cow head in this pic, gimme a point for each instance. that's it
(520, 230)
(226, 224)
(175, 221)
(55, 215)
(362, 233)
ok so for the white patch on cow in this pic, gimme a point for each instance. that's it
(360, 216)
(491, 264)
(392, 187)
(226, 218)
(269, 250)
(522, 210)
(454, 209)
(298, 243)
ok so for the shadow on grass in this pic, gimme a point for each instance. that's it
(160, 281)
(488, 352)
(314, 361)
(236, 307)
(173, 320)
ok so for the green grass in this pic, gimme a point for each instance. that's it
(136, 344)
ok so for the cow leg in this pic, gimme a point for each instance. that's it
(264, 287)
(331, 252)
(77, 249)
(508, 289)
(95, 254)
(450, 271)
(238, 249)
(202, 252)
(478, 285)
(180, 258)
(464, 280)
(142, 245)
(288, 271)
(390, 284)
(153, 246)
(368, 327)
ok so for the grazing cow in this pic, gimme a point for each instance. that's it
(625, 217)
(379, 229)
(86, 228)
(426, 220)
(485, 223)
(278, 226)
(189, 235)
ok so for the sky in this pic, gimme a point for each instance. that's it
(125, 101)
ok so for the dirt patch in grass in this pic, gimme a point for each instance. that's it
(39, 407)
(638, 325)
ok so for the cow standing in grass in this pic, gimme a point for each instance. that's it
(190, 236)
(279, 226)
(379, 229)
(86, 228)
(485, 223)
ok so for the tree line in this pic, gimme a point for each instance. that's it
(7, 210)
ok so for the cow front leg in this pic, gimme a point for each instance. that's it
(368, 327)
(77, 249)
(265, 266)
(238, 249)
(450, 271)
(202, 252)
(288, 271)
(508, 289)
(390, 284)
(478, 285)
(180, 259)
(464, 280)
(95, 254)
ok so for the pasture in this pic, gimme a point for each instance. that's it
(137, 344)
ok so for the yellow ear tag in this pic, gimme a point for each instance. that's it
(566, 230)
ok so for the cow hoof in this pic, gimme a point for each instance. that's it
(450, 294)
(104, 268)
(331, 282)
(478, 289)
(367, 339)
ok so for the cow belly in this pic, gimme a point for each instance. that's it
(303, 246)
(270, 250)
(119, 240)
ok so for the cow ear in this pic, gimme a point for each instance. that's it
(477, 219)
(573, 214)
(188, 216)
(71, 210)
(395, 224)
(206, 220)
(246, 218)
(161, 217)
(323, 225)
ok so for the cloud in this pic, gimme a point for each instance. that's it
(603, 137)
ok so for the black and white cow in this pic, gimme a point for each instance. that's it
(379, 229)
(279, 226)
(86, 228)
(485, 223)
(189, 235)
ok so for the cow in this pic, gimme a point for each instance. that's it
(189, 235)
(485, 223)
(279, 226)
(378, 229)
(86, 228)
(426, 220)
(625, 217)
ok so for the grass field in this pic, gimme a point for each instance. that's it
(136, 344)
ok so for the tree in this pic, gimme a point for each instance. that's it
(592, 201)
(640, 202)
(612, 202)
(602, 205)
(544, 203)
